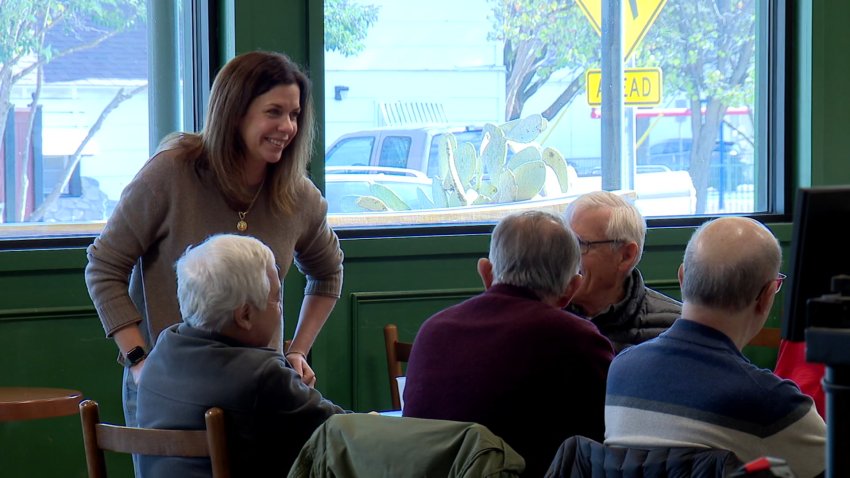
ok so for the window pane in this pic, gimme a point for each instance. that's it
(84, 67)
(499, 105)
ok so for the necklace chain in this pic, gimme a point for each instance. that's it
(242, 225)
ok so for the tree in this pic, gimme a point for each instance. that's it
(541, 37)
(24, 49)
(706, 50)
(346, 25)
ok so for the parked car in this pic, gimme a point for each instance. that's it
(729, 168)
(345, 184)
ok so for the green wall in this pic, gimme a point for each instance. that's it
(50, 335)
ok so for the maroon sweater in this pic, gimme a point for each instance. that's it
(533, 374)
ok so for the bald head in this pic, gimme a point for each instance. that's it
(727, 263)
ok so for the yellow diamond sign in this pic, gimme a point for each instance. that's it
(639, 16)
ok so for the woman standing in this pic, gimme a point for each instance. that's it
(244, 173)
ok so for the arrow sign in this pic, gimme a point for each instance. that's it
(641, 15)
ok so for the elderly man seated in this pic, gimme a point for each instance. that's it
(613, 295)
(511, 359)
(692, 386)
(229, 295)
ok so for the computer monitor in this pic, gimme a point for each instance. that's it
(819, 251)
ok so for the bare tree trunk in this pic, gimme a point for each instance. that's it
(27, 156)
(524, 61)
(704, 133)
(119, 98)
(5, 93)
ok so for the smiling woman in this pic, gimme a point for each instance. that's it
(195, 186)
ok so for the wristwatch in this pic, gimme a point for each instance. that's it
(134, 356)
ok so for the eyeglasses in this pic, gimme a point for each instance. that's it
(584, 246)
(779, 280)
(777, 284)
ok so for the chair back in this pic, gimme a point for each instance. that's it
(582, 457)
(98, 437)
(767, 337)
(397, 353)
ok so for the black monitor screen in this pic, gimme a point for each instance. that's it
(818, 252)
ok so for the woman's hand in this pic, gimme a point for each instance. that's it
(136, 370)
(300, 365)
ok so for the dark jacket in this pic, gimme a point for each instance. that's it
(578, 457)
(643, 315)
(268, 411)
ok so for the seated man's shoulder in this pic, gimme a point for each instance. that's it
(660, 301)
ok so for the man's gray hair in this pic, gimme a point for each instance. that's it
(536, 250)
(725, 283)
(627, 223)
(222, 274)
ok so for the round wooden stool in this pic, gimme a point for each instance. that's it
(30, 403)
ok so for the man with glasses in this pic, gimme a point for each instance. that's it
(613, 295)
(692, 386)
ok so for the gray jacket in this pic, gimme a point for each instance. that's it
(642, 315)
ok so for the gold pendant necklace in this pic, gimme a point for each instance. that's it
(242, 225)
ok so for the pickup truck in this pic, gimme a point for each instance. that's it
(411, 148)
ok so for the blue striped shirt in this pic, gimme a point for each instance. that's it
(691, 386)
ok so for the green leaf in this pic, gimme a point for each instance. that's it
(525, 130)
(529, 179)
(526, 155)
(555, 160)
(371, 203)
(388, 197)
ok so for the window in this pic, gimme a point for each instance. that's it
(394, 152)
(77, 129)
(507, 93)
(351, 152)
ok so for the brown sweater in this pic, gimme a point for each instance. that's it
(169, 206)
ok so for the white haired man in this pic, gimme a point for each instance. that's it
(692, 386)
(610, 232)
(230, 300)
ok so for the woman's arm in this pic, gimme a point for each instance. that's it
(315, 310)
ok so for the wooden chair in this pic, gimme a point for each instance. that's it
(767, 337)
(98, 437)
(397, 352)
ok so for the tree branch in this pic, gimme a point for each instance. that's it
(119, 98)
(565, 98)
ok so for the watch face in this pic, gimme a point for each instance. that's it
(135, 355)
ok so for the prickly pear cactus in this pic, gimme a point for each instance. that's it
(509, 167)
(493, 176)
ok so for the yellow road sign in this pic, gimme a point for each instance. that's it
(640, 14)
(641, 86)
